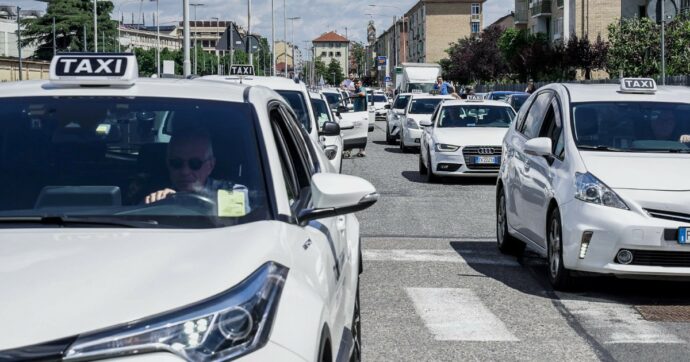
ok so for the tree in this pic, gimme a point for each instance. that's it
(359, 55)
(320, 70)
(475, 58)
(71, 16)
(635, 48)
(335, 73)
(677, 50)
(582, 54)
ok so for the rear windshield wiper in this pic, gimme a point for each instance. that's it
(76, 221)
(600, 148)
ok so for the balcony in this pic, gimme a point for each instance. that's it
(476, 18)
(540, 8)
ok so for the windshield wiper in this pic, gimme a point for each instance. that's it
(72, 221)
(601, 148)
(663, 150)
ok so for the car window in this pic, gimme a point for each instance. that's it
(552, 127)
(297, 151)
(401, 102)
(321, 112)
(380, 98)
(298, 103)
(289, 174)
(102, 156)
(424, 105)
(333, 99)
(535, 115)
(476, 116)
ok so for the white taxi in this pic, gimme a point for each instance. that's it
(228, 242)
(463, 138)
(419, 108)
(595, 178)
(326, 118)
(296, 94)
(395, 113)
(379, 102)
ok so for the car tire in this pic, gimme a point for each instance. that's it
(403, 148)
(422, 167)
(430, 177)
(389, 139)
(559, 275)
(356, 329)
(507, 244)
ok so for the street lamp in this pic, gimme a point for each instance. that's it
(292, 29)
(196, 51)
(273, 40)
(285, 34)
(217, 41)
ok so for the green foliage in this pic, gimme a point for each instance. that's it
(677, 46)
(335, 73)
(476, 58)
(71, 17)
(635, 48)
(359, 56)
(320, 70)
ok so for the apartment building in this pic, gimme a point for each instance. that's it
(8, 31)
(146, 37)
(434, 24)
(280, 48)
(560, 18)
(332, 45)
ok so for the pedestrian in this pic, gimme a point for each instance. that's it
(441, 87)
(530, 87)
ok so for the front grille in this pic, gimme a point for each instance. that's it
(448, 167)
(669, 215)
(471, 151)
(678, 259)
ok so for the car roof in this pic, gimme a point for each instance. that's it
(508, 92)
(142, 87)
(427, 95)
(270, 82)
(611, 92)
(464, 102)
(314, 95)
(330, 91)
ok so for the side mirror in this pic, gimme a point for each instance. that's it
(539, 147)
(330, 129)
(336, 114)
(342, 109)
(425, 123)
(387, 106)
(337, 194)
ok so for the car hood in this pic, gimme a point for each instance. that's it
(466, 136)
(419, 117)
(62, 282)
(637, 171)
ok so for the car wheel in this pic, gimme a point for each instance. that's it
(430, 177)
(389, 139)
(356, 331)
(559, 276)
(422, 167)
(507, 244)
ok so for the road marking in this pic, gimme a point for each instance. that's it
(454, 314)
(438, 256)
(612, 323)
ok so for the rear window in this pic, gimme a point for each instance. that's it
(401, 102)
(424, 105)
(475, 116)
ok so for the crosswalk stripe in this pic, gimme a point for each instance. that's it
(614, 323)
(457, 314)
(441, 256)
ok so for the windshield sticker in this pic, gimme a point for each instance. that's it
(231, 203)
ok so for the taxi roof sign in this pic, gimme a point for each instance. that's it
(242, 70)
(474, 98)
(94, 69)
(638, 85)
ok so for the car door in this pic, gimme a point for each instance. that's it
(522, 164)
(540, 172)
(427, 137)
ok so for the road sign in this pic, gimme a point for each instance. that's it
(242, 70)
(654, 10)
(381, 61)
(387, 79)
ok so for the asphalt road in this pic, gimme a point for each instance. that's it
(435, 288)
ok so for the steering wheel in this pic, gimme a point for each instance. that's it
(190, 200)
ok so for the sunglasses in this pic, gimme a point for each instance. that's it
(194, 164)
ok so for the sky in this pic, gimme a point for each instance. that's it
(317, 16)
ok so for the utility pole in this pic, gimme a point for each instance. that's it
(663, 43)
(347, 55)
(19, 40)
(95, 26)
(273, 39)
(85, 47)
(54, 45)
(187, 66)
(249, 32)
(292, 30)
(196, 51)
(217, 42)
(285, 34)
(158, 40)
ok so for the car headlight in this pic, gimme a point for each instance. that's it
(221, 328)
(591, 189)
(442, 147)
(411, 123)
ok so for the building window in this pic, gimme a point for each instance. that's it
(475, 27)
(476, 9)
(330, 54)
(323, 54)
(337, 54)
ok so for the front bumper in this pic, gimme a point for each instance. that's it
(615, 229)
(455, 164)
(411, 137)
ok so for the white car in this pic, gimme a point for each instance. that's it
(463, 138)
(419, 108)
(259, 263)
(357, 124)
(297, 95)
(395, 114)
(333, 146)
(379, 103)
(595, 178)
(335, 99)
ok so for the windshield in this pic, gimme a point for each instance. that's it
(499, 96)
(632, 126)
(401, 102)
(423, 87)
(296, 100)
(333, 99)
(78, 157)
(424, 105)
(380, 98)
(321, 112)
(476, 116)
(516, 101)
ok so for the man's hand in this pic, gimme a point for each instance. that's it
(158, 196)
(685, 138)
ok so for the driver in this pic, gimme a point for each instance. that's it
(665, 126)
(190, 161)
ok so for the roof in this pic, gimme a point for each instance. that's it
(143, 87)
(611, 92)
(427, 95)
(331, 36)
(275, 83)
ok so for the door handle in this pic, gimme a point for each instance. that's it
(527, 166)
(340, 223)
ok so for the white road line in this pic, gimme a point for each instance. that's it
(612, 323)
(457, 315)
(440, 256)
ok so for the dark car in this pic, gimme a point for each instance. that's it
(501, 95)
(517, 100)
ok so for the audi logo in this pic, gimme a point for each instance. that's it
(485, 151)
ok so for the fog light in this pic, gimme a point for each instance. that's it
(624, 256)
(584, 243)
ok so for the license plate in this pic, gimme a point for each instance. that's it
(416, 140)
(684, 235)
(486, 160)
